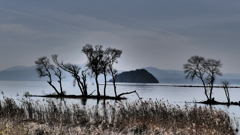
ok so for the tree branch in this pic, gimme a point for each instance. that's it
(129, 93)
(92, 93)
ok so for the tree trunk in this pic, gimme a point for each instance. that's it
(84, 88)
(228, 97)
(211, 89)
(60, 83)
(114, 81)
(84, 84)
(78, 82)
(50, 83)
(59, 75)
(205, 88)
(225, 87)
(105, 83)
(227, 94)
(114, 85)
(96, 80)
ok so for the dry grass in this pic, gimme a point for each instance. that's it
(52, 117)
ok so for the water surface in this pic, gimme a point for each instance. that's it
(174, 95)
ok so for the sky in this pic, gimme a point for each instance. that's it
(153, 33)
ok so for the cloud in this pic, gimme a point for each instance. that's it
(156, 33)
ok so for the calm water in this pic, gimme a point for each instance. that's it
(175, 95)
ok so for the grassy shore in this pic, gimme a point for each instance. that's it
(52, 117)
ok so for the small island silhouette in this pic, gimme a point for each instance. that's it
(136, 76)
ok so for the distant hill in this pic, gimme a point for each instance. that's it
(15, 68)
(137, 76)
(23, 73)
(178, 77)
(169, 76)
(159, 73)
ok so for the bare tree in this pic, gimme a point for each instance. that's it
(226, 85)
(205, 70)
(74, 71)
(95, 61)
(114, 74)
(113, 54)
(84, 81)
(212, 69)
(43, 69)
(104, 63)
(58, 73)
(194, 68)
(110, 56)
(101, 62)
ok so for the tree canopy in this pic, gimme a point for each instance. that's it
(205, 69)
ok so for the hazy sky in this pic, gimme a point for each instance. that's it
(157, 33)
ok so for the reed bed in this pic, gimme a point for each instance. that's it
(53, 117)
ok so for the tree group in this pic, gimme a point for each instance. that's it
(99, 61)
(206, 70)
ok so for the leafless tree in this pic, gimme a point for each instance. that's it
(95, 61)
(113, 54)
(104, 63)
(114, 74)
(58, 73)
(212, 69)
(110, 56)
(226, 85)
(101, 61)
(205, 70)
(74, 71)
(43, 69)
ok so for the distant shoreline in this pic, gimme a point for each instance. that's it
(165, 85)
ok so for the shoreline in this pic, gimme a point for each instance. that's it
(165, 85)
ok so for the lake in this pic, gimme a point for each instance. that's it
(174, 95)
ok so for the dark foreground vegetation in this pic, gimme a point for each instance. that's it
(53, 117)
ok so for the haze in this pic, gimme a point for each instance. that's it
(161, 34)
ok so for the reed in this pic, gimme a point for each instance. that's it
(49, 116)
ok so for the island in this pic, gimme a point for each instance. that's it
(136, 76)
